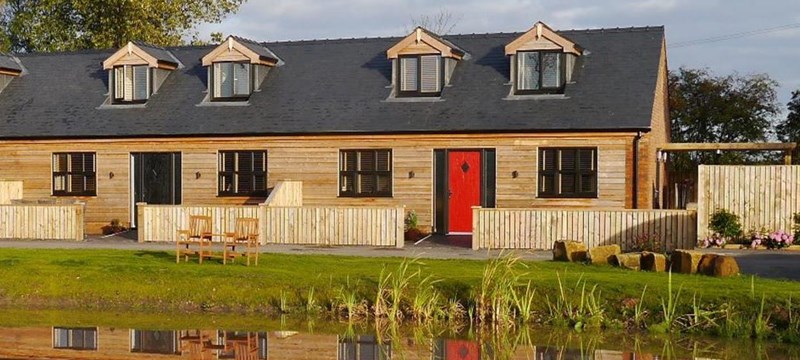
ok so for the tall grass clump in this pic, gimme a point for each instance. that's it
(577, 307)
(669, 307)
(494, 303)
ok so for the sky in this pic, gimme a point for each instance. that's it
(776, 53)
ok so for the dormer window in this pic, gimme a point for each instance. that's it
(232, 81)
(131, 83)
(422, 64)
(236, 69)
(420, 75)
(136, 72)
(542, 61)
(540, 72)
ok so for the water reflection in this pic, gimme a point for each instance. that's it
(362, 343)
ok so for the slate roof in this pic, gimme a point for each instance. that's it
(7, 62)
(161, 54)
(341, 86)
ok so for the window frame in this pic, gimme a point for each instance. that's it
(113, 86)
(419, 92)
(213, 84)
(71, 332)
(70, 172)
(558, 171)
(562, 64)
(374, 173)
(236, 173)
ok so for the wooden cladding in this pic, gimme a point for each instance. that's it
(42, 222)
(764, 196)
(538, 229)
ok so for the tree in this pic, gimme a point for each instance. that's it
(708, 108)
(789, 130)
(441, 23)
(62, 25)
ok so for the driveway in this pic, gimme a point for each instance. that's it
(776, 264)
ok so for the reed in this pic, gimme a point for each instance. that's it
(523, 302)
(761, 328)
(669, 306)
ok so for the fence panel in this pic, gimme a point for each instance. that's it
(763, 195)
(370, 226)
(42, 222)
(538, 229)
(161, 222)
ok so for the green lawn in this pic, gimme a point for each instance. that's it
(151, 281)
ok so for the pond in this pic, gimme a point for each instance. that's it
(61, 335)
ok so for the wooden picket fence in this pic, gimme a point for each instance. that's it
(764, 196)
(283, 220)
(42, 221)
(538, 229)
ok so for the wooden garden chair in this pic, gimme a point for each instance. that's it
(199, 234)
(245, 236)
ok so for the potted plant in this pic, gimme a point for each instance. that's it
(412, 231)
(115, 227)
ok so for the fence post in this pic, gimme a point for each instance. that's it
(477, 225)
(140, 223)
(400, 226)
(262, 223)
(80, 221)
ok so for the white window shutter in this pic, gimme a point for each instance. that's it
(128, 83)
(431, 74)
(408, 74)
(119, 82)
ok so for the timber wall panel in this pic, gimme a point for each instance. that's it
(42, 222)
(538, 229)
(763, 196)
(10, 190)
(314, 160)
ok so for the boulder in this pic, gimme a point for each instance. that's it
(569, 250)
(725, 266)
(603, 254)
(706, 264)
(654, 262)
(630, 261)
(685, 261)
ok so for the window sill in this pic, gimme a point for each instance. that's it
(223, 103)
(567, 197)
(365, 196)
(250, 196)
(536, 97)
(108, 106)
(421, 99)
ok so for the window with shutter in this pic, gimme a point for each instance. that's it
(131, 83)
(75, 338)
(568, 172)
(242, 173)
(365, 173)
(231, 81)
(420, 75)
(540, 72)
(74, 174)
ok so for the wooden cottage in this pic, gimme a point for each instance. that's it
(540, 119)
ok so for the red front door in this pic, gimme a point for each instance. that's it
(464, 174)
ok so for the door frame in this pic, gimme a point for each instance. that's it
(441, 183)
(132, 186)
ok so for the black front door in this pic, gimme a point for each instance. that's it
(156, 179)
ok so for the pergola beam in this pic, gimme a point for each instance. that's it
(672, 147)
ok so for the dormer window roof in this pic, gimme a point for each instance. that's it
(542, 61)
(422, 64)
(136, 71)
(10, 65)
(236, 68)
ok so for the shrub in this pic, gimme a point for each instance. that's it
(411, 220)
(726, 224)
(647, 242)
(758, 237)
(779, 240)
(796, 226)
(714, 240)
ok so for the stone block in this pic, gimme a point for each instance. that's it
(569, 250)
(630, 261)
(685, 261)
(725, 266)
(706, 264)
(654, 262)
(603, 254)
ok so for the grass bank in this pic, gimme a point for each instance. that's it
(503, 293)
